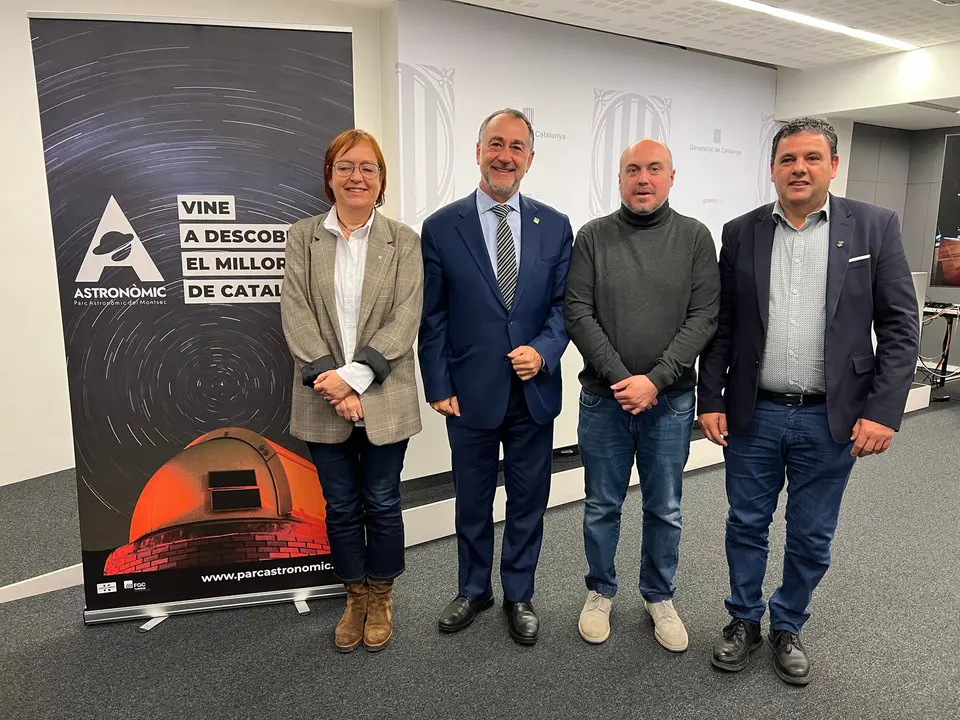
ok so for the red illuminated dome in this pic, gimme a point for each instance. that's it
(230, 496)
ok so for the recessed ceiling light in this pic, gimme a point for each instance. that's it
(935, 106)
(822, 24)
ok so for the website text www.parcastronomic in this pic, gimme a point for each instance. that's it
(271, 572)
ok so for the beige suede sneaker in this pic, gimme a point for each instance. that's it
(670, 631)
(594, 622)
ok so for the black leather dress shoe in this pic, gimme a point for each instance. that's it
(461, 612)
(522, 621)
(790, 659)
(731, 651)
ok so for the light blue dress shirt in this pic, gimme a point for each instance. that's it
(489, 222)
(793, 351)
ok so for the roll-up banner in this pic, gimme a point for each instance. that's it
(177, 156)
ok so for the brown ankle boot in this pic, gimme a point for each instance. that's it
(379, 627)
(349, 631)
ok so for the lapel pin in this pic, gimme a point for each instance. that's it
(839, 243)
(536, 221)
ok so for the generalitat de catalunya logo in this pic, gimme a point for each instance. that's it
(116, 244)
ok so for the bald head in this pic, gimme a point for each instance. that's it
(646, 176)
(645, 148)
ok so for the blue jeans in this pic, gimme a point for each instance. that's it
(610, 438)
(361, 488)
(782, 441)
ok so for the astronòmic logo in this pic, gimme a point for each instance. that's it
(116, 244)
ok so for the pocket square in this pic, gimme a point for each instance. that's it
(859, 257)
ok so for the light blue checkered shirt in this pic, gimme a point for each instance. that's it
(793, 352)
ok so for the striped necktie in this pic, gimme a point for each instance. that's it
(506, 256)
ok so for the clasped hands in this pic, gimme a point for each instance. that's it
(339, 394)
(526, 361)
(635, 394)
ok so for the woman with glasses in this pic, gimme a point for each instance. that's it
(351, 305)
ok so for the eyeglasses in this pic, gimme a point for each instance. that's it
(345, 168)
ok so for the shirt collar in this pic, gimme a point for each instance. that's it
(779, 214)
(331, 223)
(485, 203)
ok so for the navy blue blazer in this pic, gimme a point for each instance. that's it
(876, 289)
(466, 330)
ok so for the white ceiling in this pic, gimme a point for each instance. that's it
(726, 30)
(908, 117)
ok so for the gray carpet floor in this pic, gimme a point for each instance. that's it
(884, 635)
(39, 526)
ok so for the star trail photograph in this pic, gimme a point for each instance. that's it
(133, 115)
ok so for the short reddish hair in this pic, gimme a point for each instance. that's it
(341, 144)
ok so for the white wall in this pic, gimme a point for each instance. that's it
(458, 63)
(388, 116)
(575, 80)
(844, 128)
(891, 79)
(35, 426)
(35, 434)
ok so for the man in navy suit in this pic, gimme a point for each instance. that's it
(491, 337)
(791, 384)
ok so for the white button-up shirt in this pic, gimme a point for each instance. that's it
(350, 266)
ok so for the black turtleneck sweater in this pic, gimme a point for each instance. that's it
(642, 298)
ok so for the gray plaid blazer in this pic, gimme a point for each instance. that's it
(390, 306)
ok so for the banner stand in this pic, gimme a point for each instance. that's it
(151, 624)
(177, 156)
(226, 602)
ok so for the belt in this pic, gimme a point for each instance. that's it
(792, 399)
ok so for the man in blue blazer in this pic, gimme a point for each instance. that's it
(491, 337)
(791, 384)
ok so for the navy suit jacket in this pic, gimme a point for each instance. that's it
(876, 289)
(466, 331)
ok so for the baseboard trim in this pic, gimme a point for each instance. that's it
(48, 582)
(918, 398)
(14, 480)
(436, 520)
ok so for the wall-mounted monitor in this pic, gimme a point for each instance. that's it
(944, 283)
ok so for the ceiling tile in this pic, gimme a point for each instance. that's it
(714, 27)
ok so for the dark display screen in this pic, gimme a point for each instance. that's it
(946, 253)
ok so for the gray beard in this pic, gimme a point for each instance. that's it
(645, 211)
(501, 189)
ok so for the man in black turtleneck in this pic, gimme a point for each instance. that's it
(642, 298)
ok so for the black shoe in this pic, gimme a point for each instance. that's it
(789, 657)
(461, 612)
(522, 621)
(731, 651)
